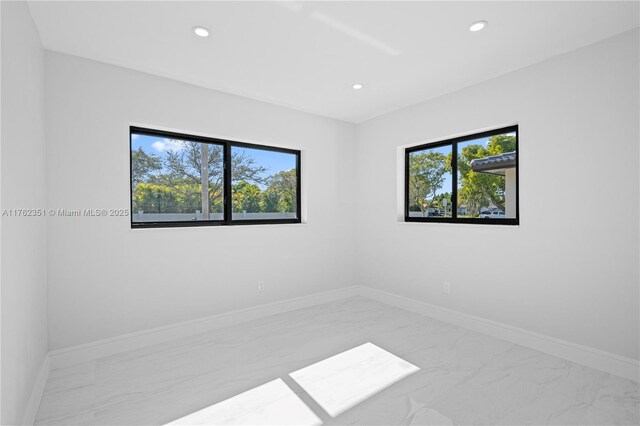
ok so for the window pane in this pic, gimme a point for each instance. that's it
(169, 182)
(430, 182)
(264, 184)
(487, 177)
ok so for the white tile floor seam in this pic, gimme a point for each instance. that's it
(464, 377)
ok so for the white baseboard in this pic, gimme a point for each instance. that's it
(36, 393)
(87, 352)
(590, 357)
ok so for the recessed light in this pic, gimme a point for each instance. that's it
(201, 31)
(477, 26)
(358, 86)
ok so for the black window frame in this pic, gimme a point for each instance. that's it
(453, 142)
(228, 200)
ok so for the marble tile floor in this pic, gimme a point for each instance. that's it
(464, 377)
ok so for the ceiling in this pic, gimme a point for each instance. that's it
(307, 55)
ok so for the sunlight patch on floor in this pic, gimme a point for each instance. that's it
(344, 380)
(273, 403)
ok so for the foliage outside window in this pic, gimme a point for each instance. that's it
(182, 180)
(470, 179)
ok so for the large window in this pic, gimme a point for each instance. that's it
(183, 180)
(470, 179)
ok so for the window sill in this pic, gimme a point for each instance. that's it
(454, 224)
(218, 226)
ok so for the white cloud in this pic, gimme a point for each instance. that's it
(168, 145)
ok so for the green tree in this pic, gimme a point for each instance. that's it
(174, 184)
(143, 166)
(151, 197)
(427, 172)
(439, 201)
(478, 190)
(280, 195)
(270, 200)
(186, 163)
(246, 198)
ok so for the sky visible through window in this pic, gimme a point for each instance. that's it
(272, 161)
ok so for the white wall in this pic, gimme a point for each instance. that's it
(570, 270)
(106, 280)
(24, 327)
